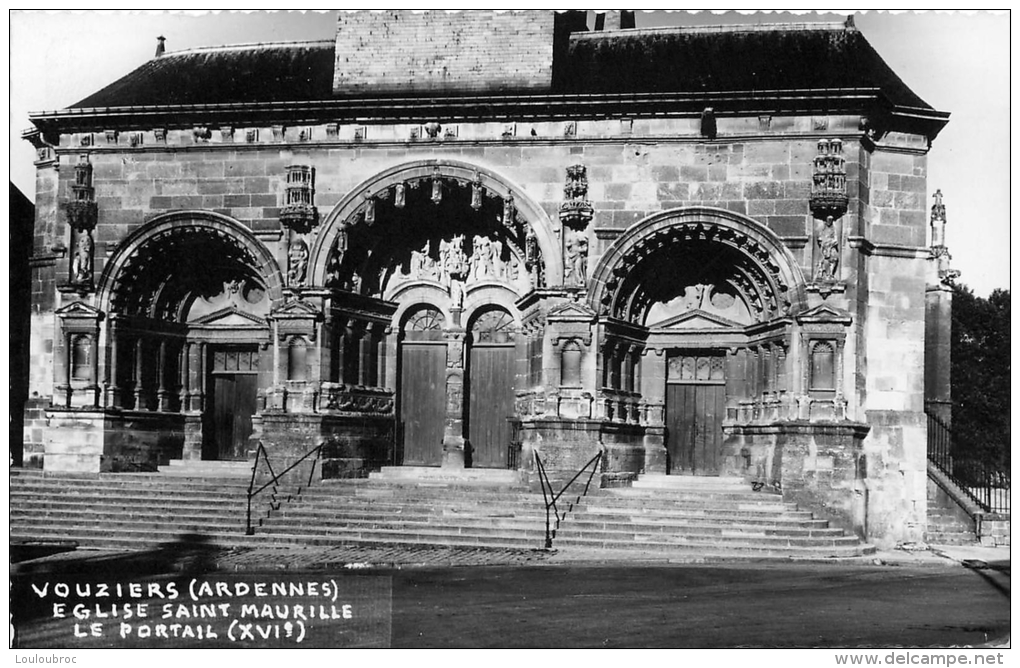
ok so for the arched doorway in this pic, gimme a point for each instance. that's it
(189, 296)
(422, 372)
(459, 239)
(712, 294)
(491, 382)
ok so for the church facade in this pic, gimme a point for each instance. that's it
(698, 251)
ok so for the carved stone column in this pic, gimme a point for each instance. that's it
(162, 393)
(183, 374)
(140, 403)
(113, 399)
(653, 391)
(453, 433)
(61, 362)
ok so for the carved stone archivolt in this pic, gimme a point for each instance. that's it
(667, 265)
(175, 260)
(474, 236)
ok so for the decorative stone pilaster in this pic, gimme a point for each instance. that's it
(82, 215)
(453, 430)
(653, 386)
(938, 319)
(576, 213)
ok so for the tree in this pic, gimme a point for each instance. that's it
(980, 377)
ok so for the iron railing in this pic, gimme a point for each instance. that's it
(983, 483)
(261, 453)
(551, 509)
(513, 449)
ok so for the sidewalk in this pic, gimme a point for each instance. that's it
(382, 556)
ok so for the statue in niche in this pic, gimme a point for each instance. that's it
(576, 270)
(297, 262)
(457, 293)
(828, 251)
(481, 261)
(82, 264)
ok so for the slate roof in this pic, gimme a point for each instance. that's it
(222, 75)
(802, 68)
(746, 59)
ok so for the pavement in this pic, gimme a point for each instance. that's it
(354, 557)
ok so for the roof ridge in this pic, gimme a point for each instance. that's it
(247, 45)
(839, 26)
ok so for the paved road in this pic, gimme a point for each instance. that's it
(698, 606)
(529, 602)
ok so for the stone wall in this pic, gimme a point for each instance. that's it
(758, 167)
(400, 51)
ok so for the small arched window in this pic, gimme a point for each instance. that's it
(81, 350)
(823, 366)
(297, 359)
(570, 365)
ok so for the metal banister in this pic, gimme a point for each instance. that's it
(551, 499)
(261, 453)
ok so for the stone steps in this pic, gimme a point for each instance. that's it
(481, 509)
(945, 528)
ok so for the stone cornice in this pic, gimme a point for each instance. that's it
(514, 107)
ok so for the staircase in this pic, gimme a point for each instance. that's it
(704, 517)
(672, 517)
(127, 510)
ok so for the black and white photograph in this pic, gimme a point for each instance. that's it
(510, 329)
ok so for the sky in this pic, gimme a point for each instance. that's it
(956, 61)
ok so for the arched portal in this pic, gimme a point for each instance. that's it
(491, 376)
(189, 295)
(711, 292)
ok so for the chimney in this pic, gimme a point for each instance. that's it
(160, 46)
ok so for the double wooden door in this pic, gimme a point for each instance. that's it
(695, 408)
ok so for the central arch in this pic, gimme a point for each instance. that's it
(351, 210)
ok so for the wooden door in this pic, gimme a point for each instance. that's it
(231, 403)
(491, 382)
(491, 402)
(695, 408)
(422, 402)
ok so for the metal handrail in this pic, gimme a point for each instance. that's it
(992, 492)
(551, 499)
(261, 453)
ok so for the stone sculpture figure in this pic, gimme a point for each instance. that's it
(297, 262)
(577, 258)
(82, 266)
(828, 251)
